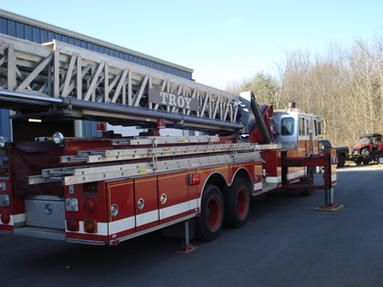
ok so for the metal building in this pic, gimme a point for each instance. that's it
(40, 32)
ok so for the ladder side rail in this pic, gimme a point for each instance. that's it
(98, 156)
(157, 140)
(144, 78)
(70, 176)
(142, 153)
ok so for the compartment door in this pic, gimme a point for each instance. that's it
(146, 202)
(174, 199)
(121, 211)
(45, 211)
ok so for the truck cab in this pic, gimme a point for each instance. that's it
(295, 129)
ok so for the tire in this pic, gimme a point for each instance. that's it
(237, 203)
(210, 221)
(365, 153)
(380, 160)
(341, 161)
(308, 180)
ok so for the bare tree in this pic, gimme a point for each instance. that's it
(344, 86)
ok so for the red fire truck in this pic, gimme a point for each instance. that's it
(109, 189)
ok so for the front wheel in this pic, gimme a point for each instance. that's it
(209, 223)
(309, 179)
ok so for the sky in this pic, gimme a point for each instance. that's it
(223, 41)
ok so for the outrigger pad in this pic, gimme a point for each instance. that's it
(186, 249)
(329, 208)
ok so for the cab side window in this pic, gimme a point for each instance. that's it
(319, 127)
(287, 127)
(315, 128)
(302, 126)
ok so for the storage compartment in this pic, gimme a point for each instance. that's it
(45, 211)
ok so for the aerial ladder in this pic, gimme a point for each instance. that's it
(62, 78)
(109, 189)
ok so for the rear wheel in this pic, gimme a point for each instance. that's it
(237, 203)
(209, 223)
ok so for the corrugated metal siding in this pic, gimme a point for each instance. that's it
(39, 35)
(5, 130)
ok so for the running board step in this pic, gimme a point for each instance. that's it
(38, 232)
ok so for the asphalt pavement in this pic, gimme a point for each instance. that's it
(285, 243)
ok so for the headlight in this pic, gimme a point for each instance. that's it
(58, 138)
(4, 200)
(3, 142)
(71, 204)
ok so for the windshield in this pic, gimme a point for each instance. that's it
(325, 145)
(363, 140)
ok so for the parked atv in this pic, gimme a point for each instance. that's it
(368, 148)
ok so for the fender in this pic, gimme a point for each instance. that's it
(204, 185)
(247, 172)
